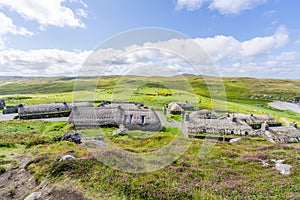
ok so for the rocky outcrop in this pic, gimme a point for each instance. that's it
(75, 137)
(33, 196)
(67, 157)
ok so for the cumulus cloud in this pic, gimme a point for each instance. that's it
(286, 56)
(234, 6)
(81, 13)
(189, 4)
(261, 45)
(44, 62)
(7, 26)
(46, 12)
(172, 56)
(223, 6)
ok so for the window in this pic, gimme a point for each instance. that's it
(125, 119)
(143, 119)
(130, 119)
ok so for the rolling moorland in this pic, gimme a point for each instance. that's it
(30, 150)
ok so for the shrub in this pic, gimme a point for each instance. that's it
(2, 170)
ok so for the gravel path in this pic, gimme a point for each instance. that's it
(7, 117)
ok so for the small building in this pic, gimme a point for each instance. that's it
(180, 107)
(204, 114)
(10, 109)
(286, 134)
(218, 126)
(2, 104)
(50, 110)
(134, 116)
(256, 121)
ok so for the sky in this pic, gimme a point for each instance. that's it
(248, 38)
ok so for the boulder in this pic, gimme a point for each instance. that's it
(121, 130)
(75, 137)
(67, 157)
(95, 142)
(33, 196)
(99, 142)
(284, 169)
(234, 140)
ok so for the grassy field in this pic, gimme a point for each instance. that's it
(245, 95)
(227, 171)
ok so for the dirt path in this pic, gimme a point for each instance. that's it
(172, 123)
(17, 184)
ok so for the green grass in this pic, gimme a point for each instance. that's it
(228, 171)
(31, 133)
(224, 173)
(176, 117)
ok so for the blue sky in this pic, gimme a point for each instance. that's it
(257, 38)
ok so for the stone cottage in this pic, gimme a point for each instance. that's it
(134, 116)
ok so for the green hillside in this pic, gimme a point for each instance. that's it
(226, 171)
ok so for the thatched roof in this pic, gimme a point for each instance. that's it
(50, 108)
(132, 116)
(90, 116)
(174, 107)
(224, 126)
(180, 106)
(203, 114)
(283, 134)
(251, 118)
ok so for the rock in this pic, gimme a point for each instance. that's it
(94, 142)
(99, 142)
(75, 137)
(121, 130)
(67, 157)
(234, 140)
(33, 196)
(264, 163)
(283, 168)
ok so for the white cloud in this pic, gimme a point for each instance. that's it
(172, 56)
(286, 56)
(7, 26)
(81, 13)
(260, 45)
(297, 42)
(45, 12)
(223, 6)
(189, 4)
(234, 6)
(220, 46)
(80, 2)
(269, 13)
(46, 62)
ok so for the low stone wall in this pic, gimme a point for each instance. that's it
(45, 115)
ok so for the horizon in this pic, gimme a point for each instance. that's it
(113, 75)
